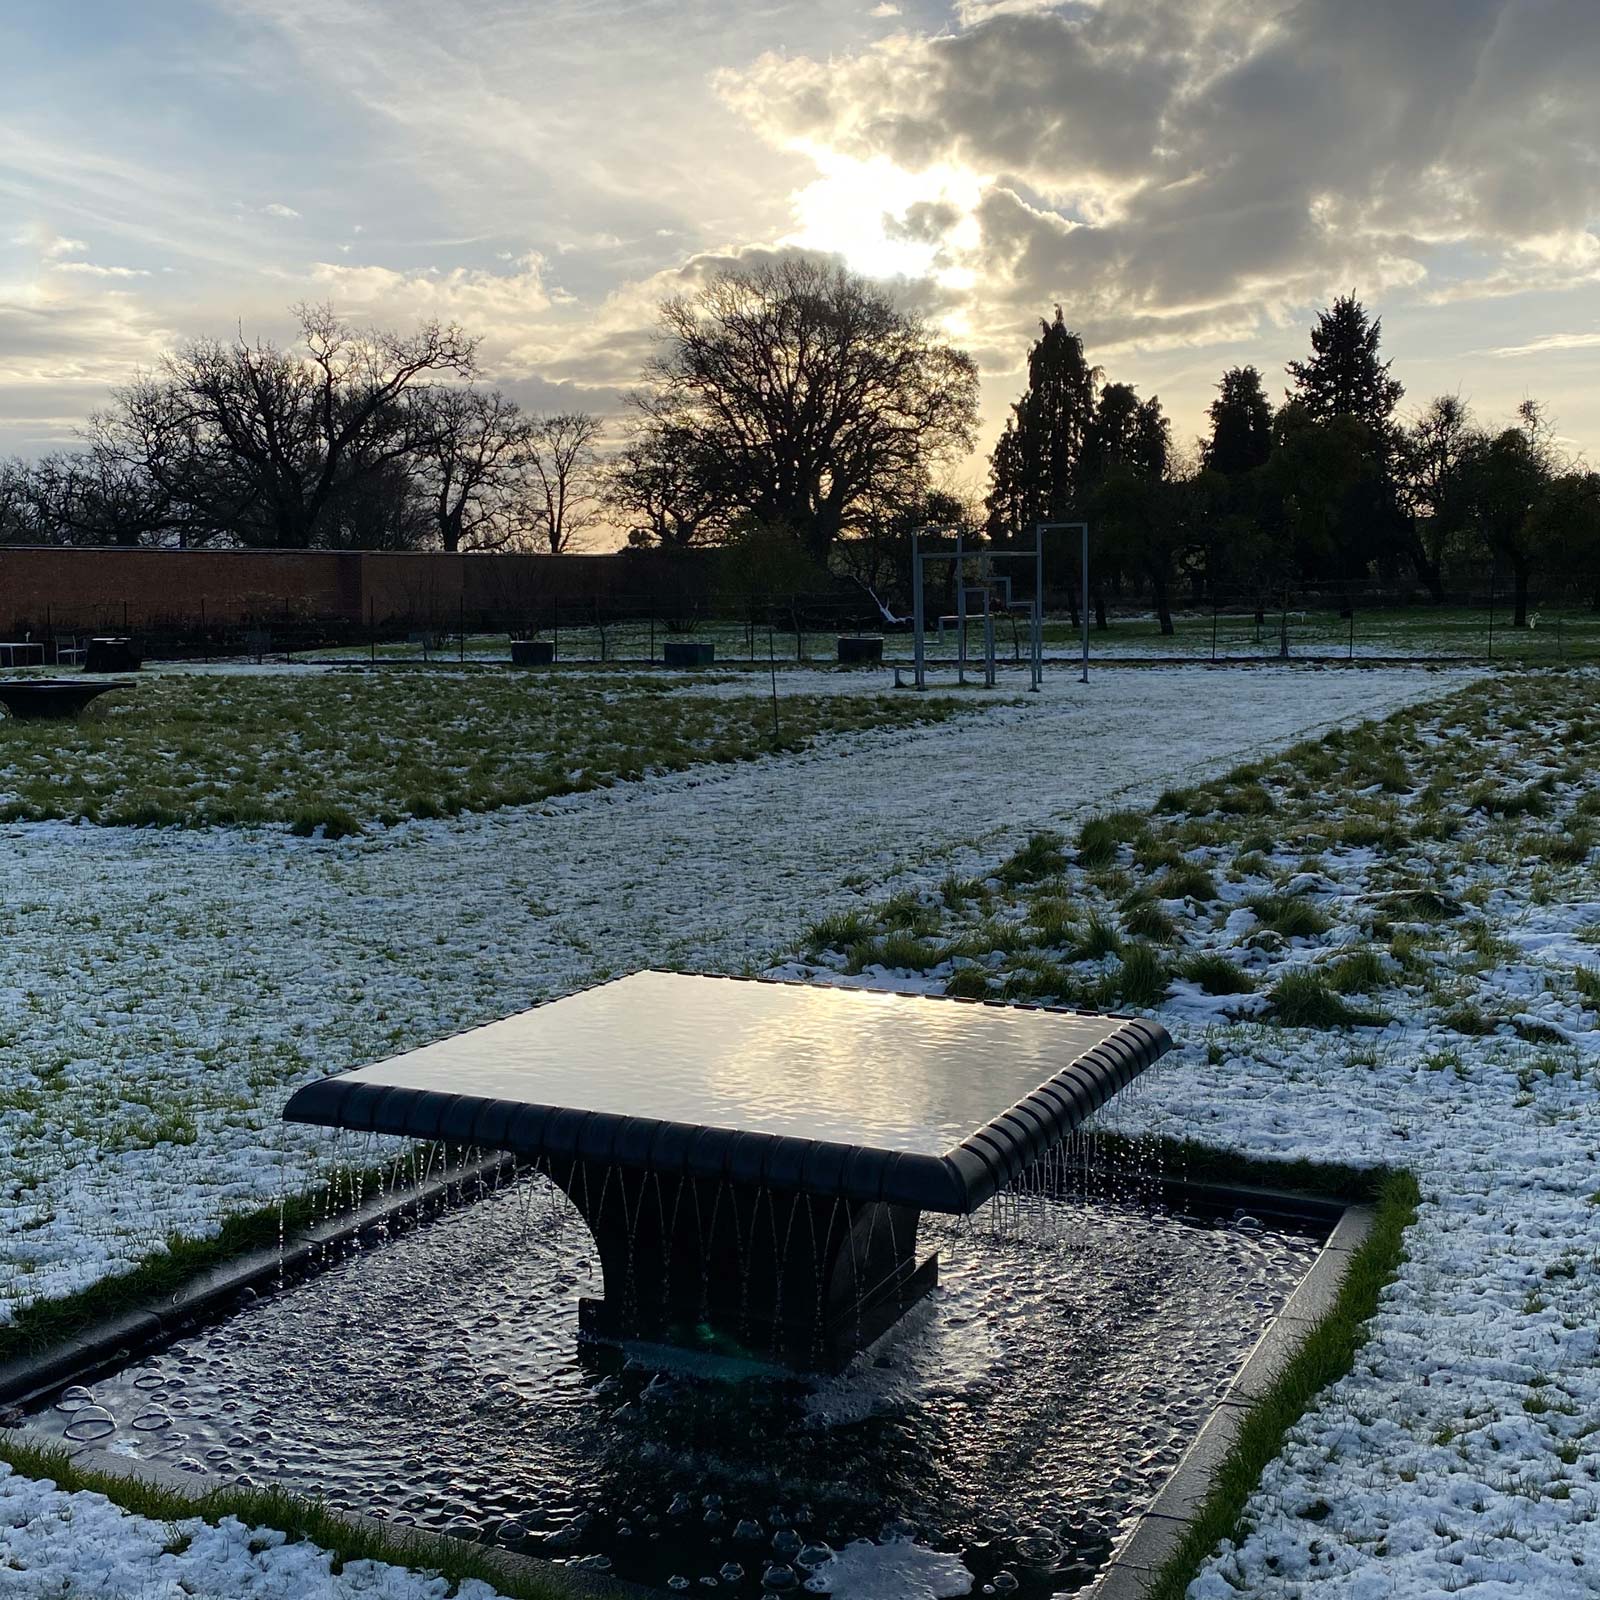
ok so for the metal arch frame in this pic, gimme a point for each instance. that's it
(1040, 529)
(1035, 610)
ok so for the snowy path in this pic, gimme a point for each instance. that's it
(164, 990)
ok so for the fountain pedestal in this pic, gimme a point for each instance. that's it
(752, 1157)
(744, 1268)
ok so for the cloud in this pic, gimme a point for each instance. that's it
(1547, 343)
(276, 208)
(1181, 169)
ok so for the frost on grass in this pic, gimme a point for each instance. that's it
(166, 989)
(1380, 946)
(333, 752)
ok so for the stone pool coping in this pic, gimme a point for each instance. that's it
(1140, 1555)
(1131, 1570)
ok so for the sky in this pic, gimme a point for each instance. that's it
(1189, 179)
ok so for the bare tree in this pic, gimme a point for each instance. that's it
(472, 461)
(810, 390)
(259, 444)
(664, 488)
(563, 477)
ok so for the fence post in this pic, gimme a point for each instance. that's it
(461, 632)
(1352, 630)
(1215, 607)
(1493, 573)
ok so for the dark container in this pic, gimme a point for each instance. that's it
(858, 649)
(532, 652)
(112, 655)
(688, 652)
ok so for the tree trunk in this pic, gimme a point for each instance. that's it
(1158, 588)
(1520, 573)
(1100, 611)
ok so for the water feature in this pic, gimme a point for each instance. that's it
(753, 1158)
(780, 1393)
(1014, 1420)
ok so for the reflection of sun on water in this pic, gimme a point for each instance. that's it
(859, 210)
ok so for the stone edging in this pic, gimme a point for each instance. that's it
(1139, 1557)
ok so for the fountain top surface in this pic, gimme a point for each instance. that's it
(757, 1069)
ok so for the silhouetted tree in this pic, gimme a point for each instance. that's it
(1430, 470)
(1035, 473)
(1241, 425)
(469, 461)
(665, 490)
(1344, 377)
(256, 443)
(808, 393)
(563, 476)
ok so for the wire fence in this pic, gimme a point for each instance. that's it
(1302, 625)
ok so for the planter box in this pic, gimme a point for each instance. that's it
(688, 652)
(112, 655)
(532, 652)
(856, 649)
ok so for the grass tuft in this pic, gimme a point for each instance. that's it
(1216, 974)
(1291, 915)
(1301, 999)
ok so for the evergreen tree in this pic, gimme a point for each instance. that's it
(1241, 425)
(1344, 377)
(1036, 471)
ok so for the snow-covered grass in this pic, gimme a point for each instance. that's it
(1379, 946)
(164, 990)
(338, 750)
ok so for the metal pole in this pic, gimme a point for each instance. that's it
(988, 640)
(1038, 607)
(1215, 603)
(918, 648)
(961, 615)
(1084, 677)
(1492, 575)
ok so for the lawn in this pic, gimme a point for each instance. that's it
(1376, 946)
(338, 751)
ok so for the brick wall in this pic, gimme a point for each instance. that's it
(75, 590)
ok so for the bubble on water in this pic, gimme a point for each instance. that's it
(748, 1529)
(89, 1423)
(779, 1576)
(677, 1581)
(730, 1572)
(75, 1398)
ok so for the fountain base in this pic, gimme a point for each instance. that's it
(742, 1268)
